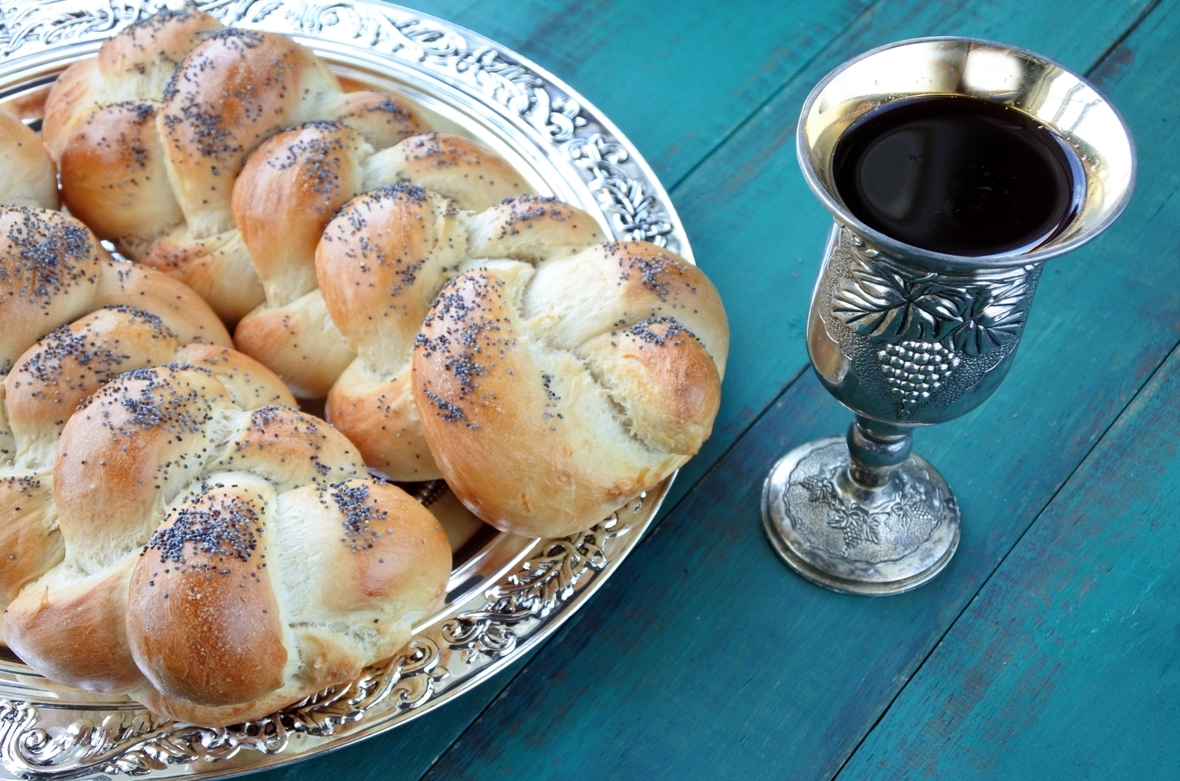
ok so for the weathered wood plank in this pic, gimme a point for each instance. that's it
(1066, 665)
(443, 9)
(710, 657)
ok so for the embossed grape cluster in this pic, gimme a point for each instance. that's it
(915, 370)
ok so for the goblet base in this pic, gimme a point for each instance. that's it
(857, 540)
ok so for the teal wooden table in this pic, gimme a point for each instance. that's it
(1050, 647)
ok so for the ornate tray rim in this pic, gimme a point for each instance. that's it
(44, 736)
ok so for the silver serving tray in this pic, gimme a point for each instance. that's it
(506, 593)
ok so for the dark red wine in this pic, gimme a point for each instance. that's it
(958, 175)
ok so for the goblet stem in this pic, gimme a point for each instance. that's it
(877, 449)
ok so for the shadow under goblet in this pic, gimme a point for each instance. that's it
(907, 337)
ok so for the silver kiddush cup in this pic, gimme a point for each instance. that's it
(905, 337)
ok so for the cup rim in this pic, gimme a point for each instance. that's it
(941, 259)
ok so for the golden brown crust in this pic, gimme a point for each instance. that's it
(299, 342)
(49, 266)
(665, 381)
(250, 384)
(378, 413)
(27, 537)
(227, 95)
(160, 124)
(161, 40)
(70, 96)
(202, 619)
(115, 165)
(72, 630)
(551, 397)
(123, 317)
(531, 228)
(62, 369)
(476, 413)
(642, 280)
(380, 119)
(461, 169)
(285, 197)
(381, 263)
(118, 457)
(228, 557)
(30, 178)
(123, 332)
(287, 192)
(132, 65)
(129, 448)
(299, 450)
(183, 311)
(387, 547)
(53, 271)
(217, 268)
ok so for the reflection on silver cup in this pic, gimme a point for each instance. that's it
(905, 336)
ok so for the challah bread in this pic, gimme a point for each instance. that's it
(159, 125)
(104, 493)
(381, 263)
(550, 396)
(53, 271)
(288, 191)
(50, 381)
(222, 558)
(30, 178)
(123, 317)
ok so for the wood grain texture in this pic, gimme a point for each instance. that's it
(1067, 664)
(709, 655)
(443, 9)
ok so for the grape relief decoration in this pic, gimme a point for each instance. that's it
(906, 519)
(923, 326)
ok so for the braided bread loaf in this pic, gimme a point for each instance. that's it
(73, 318)
(30, 178)
(288, 191)
(381, 263)
(556, 393)
(150, 135)
(223, 558)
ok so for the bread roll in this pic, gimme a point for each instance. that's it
(381, 264)
(116, 316)
(152, 133)
(289, 190)
(53, 271)
(223, 557)
(550, 396)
